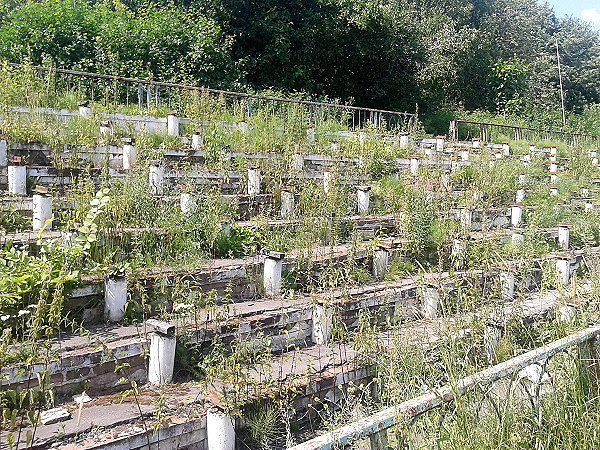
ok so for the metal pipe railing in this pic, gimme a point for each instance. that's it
(374, 427)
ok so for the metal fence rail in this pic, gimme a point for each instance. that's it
(374, 427)
(157, 93)
(486, 129)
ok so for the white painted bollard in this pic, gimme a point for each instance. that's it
(476, 142)
(553, 167)
(563, 268)
(403, 140)
(507, 285)
(253, 181)
(439, 144)
(186, 203)
(173, 124)
(129, 153)
(197, 139)
(563, 235)
(381, 261)
(327, 181)
(522, 178)
(287, 203)
(322, 320)
(42, 212)
(162, 358)
(3, 153)
(517, 239)
(554, 191)
(516, 214)
(106, 128)
(363, 198)
(115, 298)
(506, 148)
(156, 176)
(431, 301)
(311, 134)
(553, 151)
(84, 109)
(553, 177)
(464, 155)
(414, 164)
(272, 273)
(520, 195)
(466, 217)
(220, 431)
(17, 180)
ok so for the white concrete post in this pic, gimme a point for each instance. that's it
(553, 167)
(272, 273)
(522, 178)
(197, 139)
(414, 165)
(363, 197)
(553, 151)
(553, 178)
(287, 203)
(506, 148)
(106, 128)
(464, 155)
(162, 358)
(253, 181)
(129, 153)
(554, 191)
(476, 142)
(563, 235)
(186, 203)
(431, 301)
(526, 159)
(311, 134)
(42, 212)
(520, 195)
(507, 285)
(115, 298)
(439, 144)
(84, 110)
(327, 181)
(17, 180)
(156, 175)
(3, 153)
(173, 124)
(322, 319)
(563, 268)
(403, 140)
(553, 158)
(516, 214)
(220, 431)
(381, 260)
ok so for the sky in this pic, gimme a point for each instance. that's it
(588, 10)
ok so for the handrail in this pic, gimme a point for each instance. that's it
(385, 419)
(484, 128)
(209, 90)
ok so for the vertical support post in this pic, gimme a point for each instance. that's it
(520, 196)
(363, 198)
(253, 181)
(17, 180)
(322, 319)
(414, 164)
(453, 130)
(381, 261)
(220, 431)
(403, 140)
(197, 139)
(115, 298)
(84, 109)
(476, 143)
(439, 144)
(272, 273)
(129, 153)
(162, 358)
(173, 124)
(42, 212)
(464, 155)
(516, 214)
(431, 301)
(563, 269)
(287, 202)
(554, 191)
(563, 235)
(506, 148)
(156, 177)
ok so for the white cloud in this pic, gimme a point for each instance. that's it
(592, 15)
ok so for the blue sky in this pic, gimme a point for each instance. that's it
(588, 10)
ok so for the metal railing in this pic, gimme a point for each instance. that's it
(151, 93)
(486, 130)
(375, 427)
